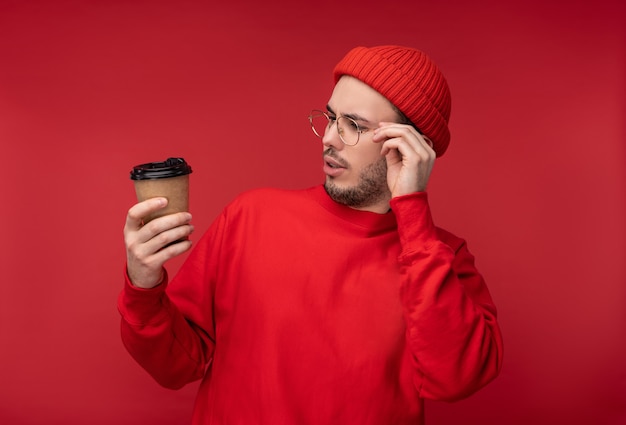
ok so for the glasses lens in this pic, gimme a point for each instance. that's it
(319, 123)
(348, 130)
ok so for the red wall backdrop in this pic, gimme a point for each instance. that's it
(534, 178)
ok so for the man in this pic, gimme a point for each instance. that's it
(339, 304)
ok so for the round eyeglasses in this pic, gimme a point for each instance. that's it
(348, 129)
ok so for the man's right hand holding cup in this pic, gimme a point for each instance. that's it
(150, 245)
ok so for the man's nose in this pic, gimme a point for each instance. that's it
(331, 137)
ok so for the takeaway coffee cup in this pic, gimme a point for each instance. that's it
(168, 179)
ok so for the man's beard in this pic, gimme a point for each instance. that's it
(370, 189)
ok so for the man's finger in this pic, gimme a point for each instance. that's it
(137, 212)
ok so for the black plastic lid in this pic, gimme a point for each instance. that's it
(171, 167)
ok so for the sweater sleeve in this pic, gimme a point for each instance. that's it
(452, 331)
(165, 329)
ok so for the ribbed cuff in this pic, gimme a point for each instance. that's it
(140, 305)
(415, 224)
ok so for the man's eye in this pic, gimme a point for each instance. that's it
(354, 126)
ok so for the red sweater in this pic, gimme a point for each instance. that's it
(296, 310)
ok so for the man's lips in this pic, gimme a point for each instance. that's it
(331, 157)
(333, 167)
(332, 162)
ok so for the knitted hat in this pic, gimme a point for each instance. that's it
(410, 81)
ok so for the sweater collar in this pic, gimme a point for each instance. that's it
(369, 221)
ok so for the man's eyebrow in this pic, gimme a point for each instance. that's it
(355, 117)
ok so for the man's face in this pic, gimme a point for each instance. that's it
(357, 175)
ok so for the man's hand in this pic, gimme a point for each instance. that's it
(147, 246)
(410, 157)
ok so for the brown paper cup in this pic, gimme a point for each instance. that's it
(168, 179)
(175, 189)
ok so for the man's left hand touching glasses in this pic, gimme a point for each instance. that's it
(410, 157)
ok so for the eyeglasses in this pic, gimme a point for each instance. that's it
(348, 129)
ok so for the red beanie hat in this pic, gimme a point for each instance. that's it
(410, 81)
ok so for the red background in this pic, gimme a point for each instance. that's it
(534, 178)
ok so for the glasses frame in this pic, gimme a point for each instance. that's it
(316, 113)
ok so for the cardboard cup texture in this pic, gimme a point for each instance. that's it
(175, 189)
